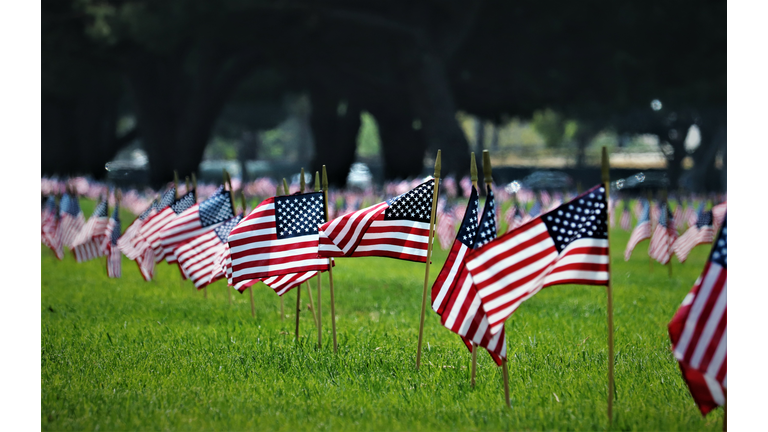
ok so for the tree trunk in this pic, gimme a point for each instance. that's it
(402, 146)
(335, 136)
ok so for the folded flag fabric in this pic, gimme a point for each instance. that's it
(701, 233)
(198, 256)
(398, 228)
(51, 233)
(454, 296)
(112, 233)
(164, 251)
(128, 241)
(279, 237)
(693, 217)
(699, 328)
(641, 232)
(194, 221)
(90, 243)
(664, 235)
(568, 245)
(72, 219)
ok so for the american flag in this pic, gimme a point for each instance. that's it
(278, 238)
(677, 216)
(641, 232)
(114, 257)
(568, 245)
(699, 328)
(398, 228)
(664, 235)
(700, 233)
(655, 214)
(72, 219)
(198, 257)
(90, 243)
(446, 227)
(164, 240)
(194, 221)
(718, 214)
(51, 233)
(127, 241)
(148, 233)
(625, 222)
(454, 296)
(694, 216)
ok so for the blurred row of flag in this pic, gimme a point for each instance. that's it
(287, 240)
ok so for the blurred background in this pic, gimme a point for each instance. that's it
(133, 90)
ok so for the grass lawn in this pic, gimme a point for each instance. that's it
(128, 354)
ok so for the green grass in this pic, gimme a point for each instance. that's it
(127, 354)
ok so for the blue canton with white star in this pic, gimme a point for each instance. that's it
(167, 199)
(414, 205)
(224, 229)
(645, 216)
(720, 249)
(586, 216)
(183, 203)
(117, 228)
(299, 215)
(468, 229)
(487, 229)
(666, 215)
(70, 204)
(217, 208)
(705, 219)
(100, 210)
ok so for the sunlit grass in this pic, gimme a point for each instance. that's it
(128, 354)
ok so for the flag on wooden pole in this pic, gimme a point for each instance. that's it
(112, 234)
(51, 233)
(89, 244)
(72, 219)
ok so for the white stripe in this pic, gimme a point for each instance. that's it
(454, 312)
(397, 235)
(500, 266)
(698, 304)
(275, 255)
(451, 277)
(576, 274)
(279, 267)
(254, 233)
(392, 248)
(709, 328)
(503, 246)
(715, 390)
(719, 356)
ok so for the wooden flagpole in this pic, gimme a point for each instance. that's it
(244, 204)
(279, 192)
(429, 258)
(670, 227)
(473, 175)
(488, 178)
(330, 265)
(319, 282)
(302, 185)
(607, 182)
(227, 182)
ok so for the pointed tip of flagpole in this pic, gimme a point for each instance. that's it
(302, 181)
(438, 165)
(242, 201)
(286, 188)
(487, 170)
(473, 168)
(317, 181)
(325, 177)
(176, 182)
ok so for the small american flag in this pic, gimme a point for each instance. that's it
(278, 238)
(146, 241)
(114, 257)
(663, 237)
(90, 242)
(454, 296)
(701, 233)
(72, 219)
(398, 228)
(198, 257)
(178, 208)
(568, 245)
(641, 232)
(718, 214)
(694, 216)
(446, 227)
(51, 233)
(127, 241)
(194, 221)
(699, 328)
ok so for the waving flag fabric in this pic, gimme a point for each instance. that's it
(701, 233)
(568, 245)
(718, 215)
(663, 237)
(114, 257)
(693, 217)
(513, 217)
(147, 241)
(699, 328)
(72, 219)
(193, 222)
(279, 237)
(626, 217)
(454, 296)
(197, 257)
(641, 232)
(398, 228)
(178, 208)
(51, 233)
(90, 243)
(127, 243)
(446, 227)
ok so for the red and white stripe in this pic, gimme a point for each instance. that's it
(51, 234)
(71, 226)
(185, 227)
(691, 238)
(662, 239)
(130, 243)
(625, 222)
(197, 258)
(718, 214)
(446, 228)
(699, 337)
(641, 232)
(90, 243)
(257, 253)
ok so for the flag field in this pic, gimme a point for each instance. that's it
(121, 354)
